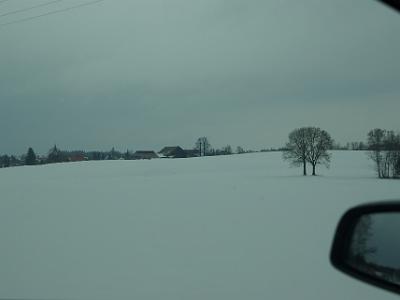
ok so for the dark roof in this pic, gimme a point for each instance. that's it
(168, 149)
(144, 155)
(173, 152)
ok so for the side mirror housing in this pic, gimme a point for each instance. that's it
(392, 3)
(366, 245)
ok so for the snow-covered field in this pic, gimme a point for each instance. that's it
(235, 227)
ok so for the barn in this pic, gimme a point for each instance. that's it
(172, 152)
(144, 154)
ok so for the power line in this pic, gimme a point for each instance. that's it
(50, 13)
(29, 8)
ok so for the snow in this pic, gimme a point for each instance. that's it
(235, 227)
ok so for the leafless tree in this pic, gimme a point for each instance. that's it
(319, 142)
(375, 145)
(392, 154)
(384, 150)
(227, 150)
(240, 150)
(203, 146)
(296, 149)
(308, 144)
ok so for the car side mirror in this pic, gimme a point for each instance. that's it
(366, 245)
(391, 3)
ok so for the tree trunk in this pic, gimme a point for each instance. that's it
(304, 168)
(313, 169)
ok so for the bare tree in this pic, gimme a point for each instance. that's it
(375, 145)
(240, 150)
(319, 142)
(296, 149)
(227, 150)
(55, 155)
(392, 154)
(384, 150)
(199, 146)
(5, 161)
(203, 146)
(308, 144)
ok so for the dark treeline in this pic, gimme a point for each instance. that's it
(56, 155)
(204, 148)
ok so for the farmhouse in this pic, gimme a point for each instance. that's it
(77, 157)
(144, 155)
(172, 152)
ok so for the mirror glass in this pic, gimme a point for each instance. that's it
(375, 246)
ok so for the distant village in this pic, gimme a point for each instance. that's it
(56, 155)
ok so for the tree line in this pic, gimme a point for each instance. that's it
(56, 155)
(204, 148)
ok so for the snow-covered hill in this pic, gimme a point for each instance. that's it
(234, 227)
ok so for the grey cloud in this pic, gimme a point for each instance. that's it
(131, 73)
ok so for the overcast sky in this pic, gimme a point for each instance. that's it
(141, 74)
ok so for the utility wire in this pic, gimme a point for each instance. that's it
(29, 8)
(50, 13)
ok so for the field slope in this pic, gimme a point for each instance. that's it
(235, 227)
